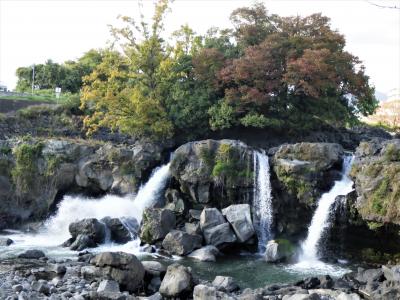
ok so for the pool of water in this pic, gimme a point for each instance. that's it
(249, 270)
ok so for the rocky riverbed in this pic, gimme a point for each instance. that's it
(118, 275)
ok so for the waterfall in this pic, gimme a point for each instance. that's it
(320, 220)
(262, 199)
(74, 208)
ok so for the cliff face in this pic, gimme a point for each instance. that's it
(376, 173)
(35, 172)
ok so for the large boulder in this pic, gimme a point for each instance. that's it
(181, 243)
(32, 254)
(376, 173)
(206, 253)
(213, 170)
(303, 168)
(81, 242)
(122, 267)
(219, 235)
(239, 216)
(156, 224)
(177, 282)
(211, 217)
(121, 230)
(90, 227)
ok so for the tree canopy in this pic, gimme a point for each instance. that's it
(267, 71)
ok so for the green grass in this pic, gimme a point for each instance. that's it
(43, 96)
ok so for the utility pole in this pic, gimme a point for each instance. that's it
(33, 78)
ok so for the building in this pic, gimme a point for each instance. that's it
(3, 87)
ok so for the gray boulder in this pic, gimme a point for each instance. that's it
(181, 243)
(207, 253)
(119, 232)
(219, 235)
(192, 228)
(391, 273)
(177, 282)
(32, 254)
(5, 242)
(225, 284)
(193, 165)
(108, 286)
(81, 242)
(174, 201)
(91, 227)
(204, 292)
(154, 268)
(122, 267)
(239, 216)
(303, 168)
(156, 224)
(211, 217)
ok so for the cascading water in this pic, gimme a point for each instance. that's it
(320, 220)
(72, 208)
(262, 199)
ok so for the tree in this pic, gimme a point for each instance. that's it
(296, 74)
(252, 24)
(50, 75)
(125, 90)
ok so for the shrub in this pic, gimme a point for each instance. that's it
(25, 168)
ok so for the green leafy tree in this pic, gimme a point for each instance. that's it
(125, 91)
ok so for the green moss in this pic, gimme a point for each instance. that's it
(25, 169)
(207, 157)
(384, 199)
(229, 167)
(5, 150)
(392, 153)
(53, 162)
(374, 225)
(286, 247)
(295, 185)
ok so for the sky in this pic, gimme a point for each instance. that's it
(33, 31)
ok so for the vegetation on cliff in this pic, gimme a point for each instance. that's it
(377, 177)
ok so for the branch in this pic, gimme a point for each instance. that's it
(382, 6)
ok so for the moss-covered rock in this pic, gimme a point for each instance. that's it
(303, 168)
(376, 172)
(36, 171)
(211, 171)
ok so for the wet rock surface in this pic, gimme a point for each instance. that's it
(120, 275)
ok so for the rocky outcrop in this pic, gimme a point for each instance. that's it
(35, 173)
(376, 173)
(304, 169)
(156, 224)
(213, 172)
(301, 174)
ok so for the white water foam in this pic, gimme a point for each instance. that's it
(73, 208)
(262, 199)
(309, 261)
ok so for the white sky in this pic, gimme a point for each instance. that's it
(33, 31)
